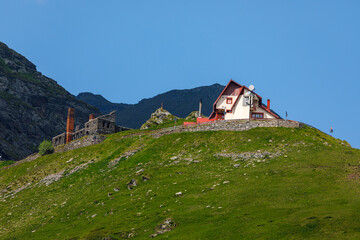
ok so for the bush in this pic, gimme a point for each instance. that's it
(46, 147)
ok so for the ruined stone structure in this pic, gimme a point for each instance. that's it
(104, 124)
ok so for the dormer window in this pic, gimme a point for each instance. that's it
(228, 100)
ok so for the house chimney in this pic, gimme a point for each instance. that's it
(200, 105)
(91, 116)
(70, 125)
(268, 105)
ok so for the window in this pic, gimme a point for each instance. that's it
(257, 115)
(228, 100)
(103, 124)
(108, 125)
(246, 101)
(229, 111)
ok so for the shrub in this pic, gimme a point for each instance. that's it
(46, 147)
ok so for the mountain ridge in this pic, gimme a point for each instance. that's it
(179, 102)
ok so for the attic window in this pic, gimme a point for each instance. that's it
(228, 100)
(229, 111)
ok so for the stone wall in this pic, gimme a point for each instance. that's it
(59, 140)
(82, 142)
(230, 125)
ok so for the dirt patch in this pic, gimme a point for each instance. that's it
(353, 176)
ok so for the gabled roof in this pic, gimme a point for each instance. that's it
(231, 81)
(212, 115)
(270, 111)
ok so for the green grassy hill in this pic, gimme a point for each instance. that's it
(265, 183)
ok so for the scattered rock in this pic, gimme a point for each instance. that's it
(51, 178)
(140, 171)
(116, 189)
(132, 184)
(225, 182)
(237, 165)
(144, 178)
(167, 226)
(178, 194)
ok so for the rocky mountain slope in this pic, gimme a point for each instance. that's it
(265, 183)
(178, 102)
(33, 107)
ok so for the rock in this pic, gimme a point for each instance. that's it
(140, 171)
(167, 226)
(237, 165)
(116, 189)
(144, 178)
(132, 184)
(225, 182)
(159, 116)
(178, 194)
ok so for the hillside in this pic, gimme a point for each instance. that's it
(33, 107)
(178, 102)
(265, 183)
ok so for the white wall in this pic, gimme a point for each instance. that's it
(239, 110)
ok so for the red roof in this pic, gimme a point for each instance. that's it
(212, 115)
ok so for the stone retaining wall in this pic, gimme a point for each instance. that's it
(232, 125)
(82, 142)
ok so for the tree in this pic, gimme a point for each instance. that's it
(46, 147)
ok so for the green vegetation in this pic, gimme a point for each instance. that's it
(4, 66)
(265, 183)
(5, 163)
(29, 77)
(46, 147)
(169, 123)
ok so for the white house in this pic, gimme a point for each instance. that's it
(239, 102)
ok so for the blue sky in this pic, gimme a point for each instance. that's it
(303, 55)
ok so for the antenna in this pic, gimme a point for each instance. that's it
(252, 87)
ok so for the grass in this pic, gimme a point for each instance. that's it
(169, 123)
(309, 190)
(5, 163)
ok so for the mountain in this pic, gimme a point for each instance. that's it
(265, 183)
(33, 107)
(178, 102)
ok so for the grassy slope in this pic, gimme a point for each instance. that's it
(303, 193)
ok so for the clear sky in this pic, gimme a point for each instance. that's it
(303, 55)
